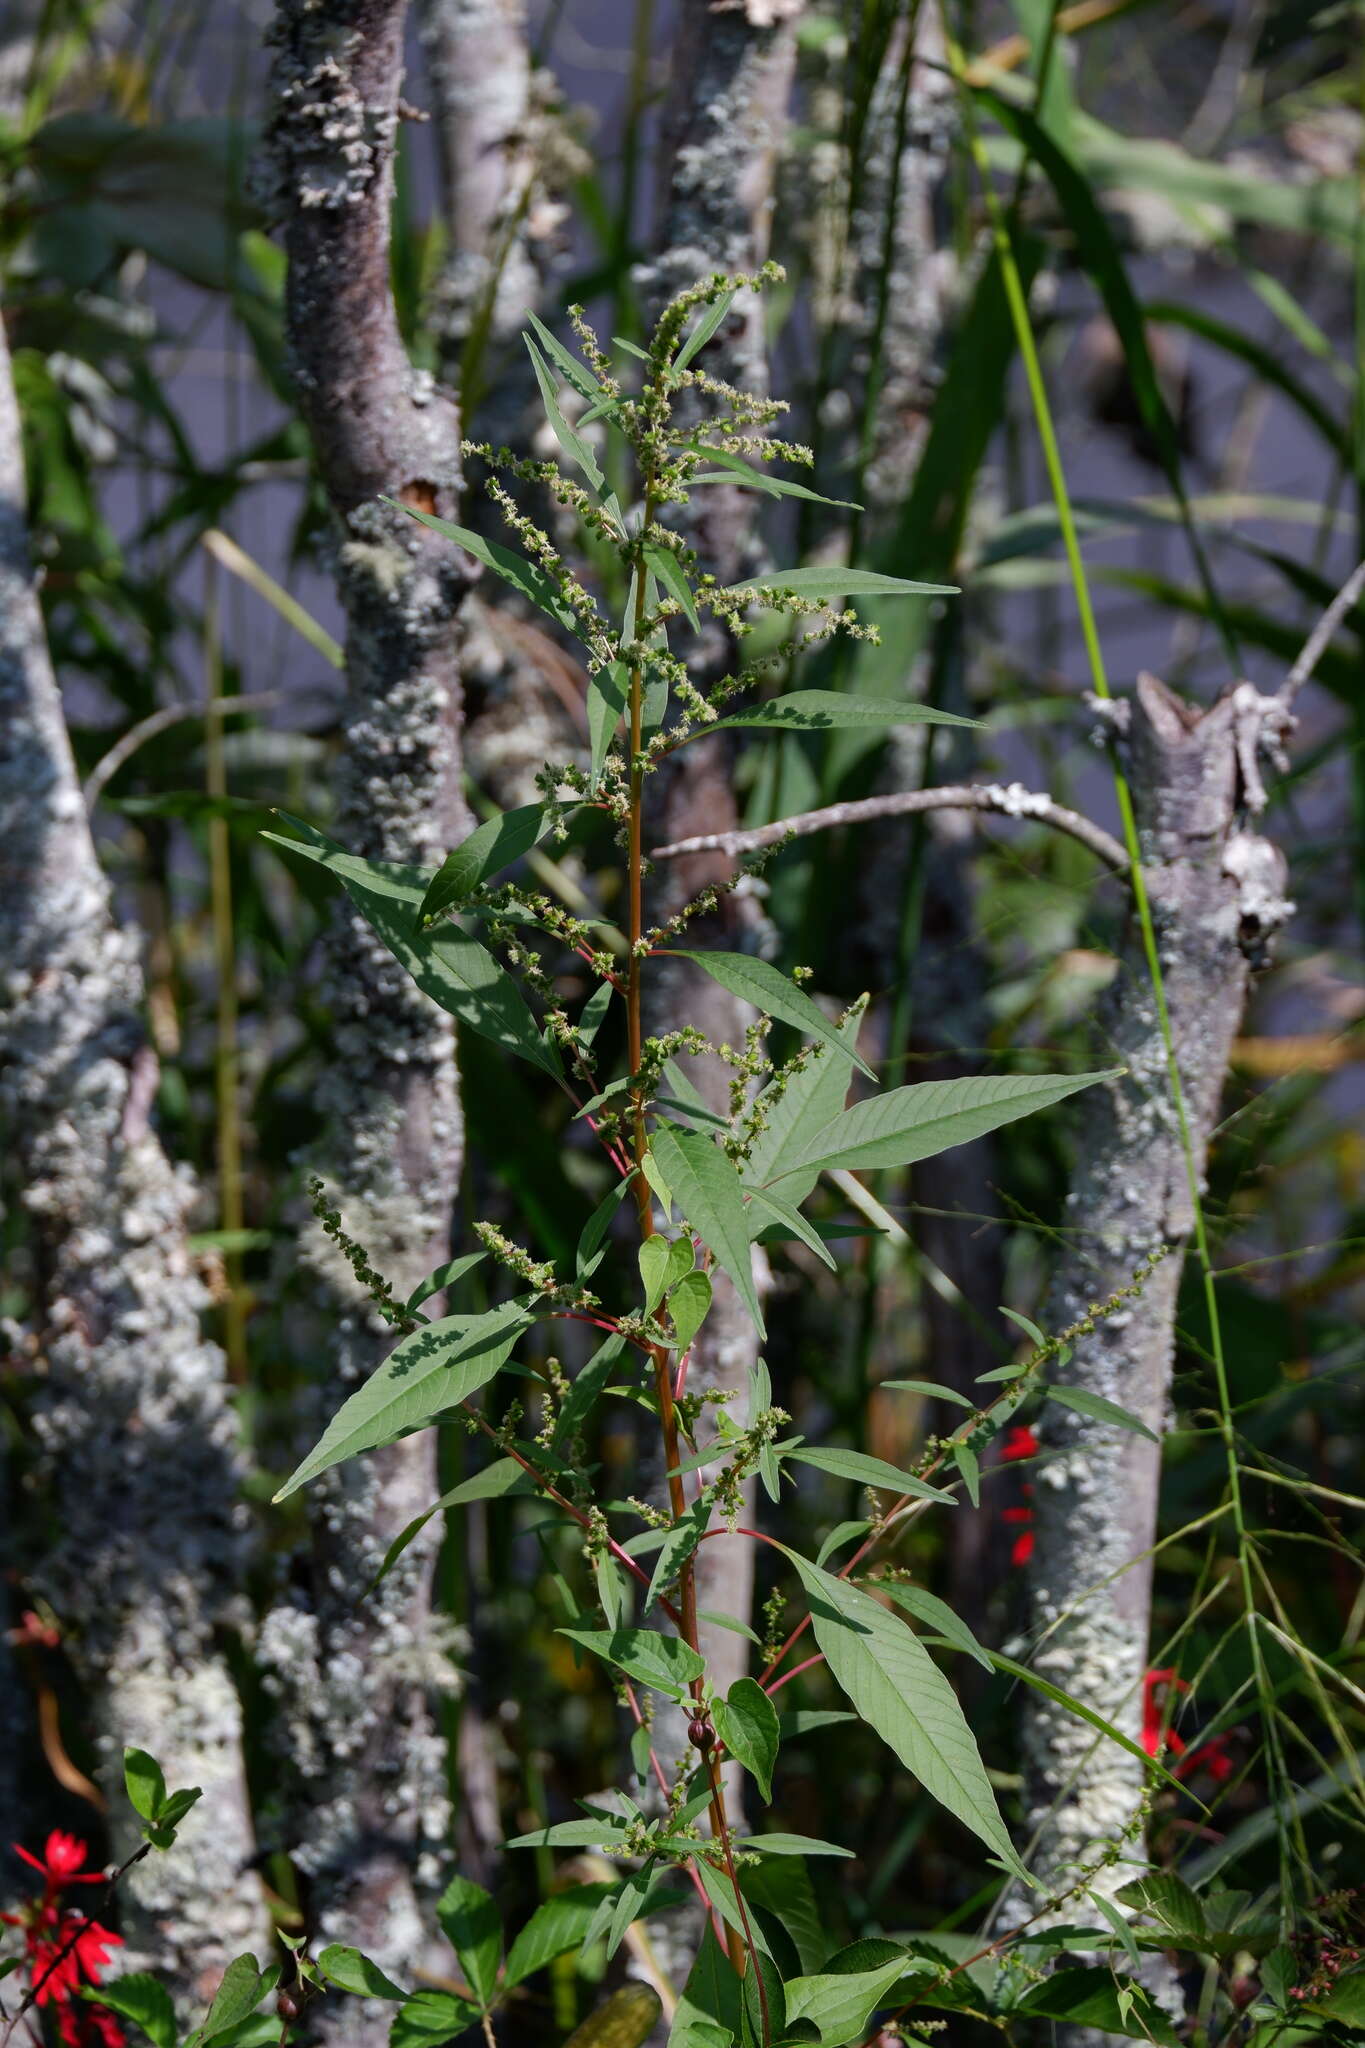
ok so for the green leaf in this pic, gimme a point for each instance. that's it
(734, 470)
(935, 1614)
(1090, 1998)
(831, 711)
(238, 1994)
(899, 1690)
(459, 974)
(709, 2011)
(1167, 1899)
(764, 987)
(585, 1389)
(488, 848)
(689, 1304)
(778, 1844)
(780, 1886)
(793, 1115)
(140, 1998)
(929, 1117)
(596, 1228)
(571, 1834)
(841, 2005)
(710, 1194)
(430, 2018)
(746, 1722)
(443, 1277)
(144, 1782)
(554, 1928)
(669, 571)
(472, 1926)
(833, 581)
(663, 1662)
(766, 1208)
(1029, 1329)
(1344, 2004)
(1100, 1410)
(1122, 1931)
(680, 1540)
(608, 695)
(969, 1465)
(565, 361)
(932, 1390)
(527, 577)
(839, 1536)
(431, 1371)
(503, 1476)
(652, 1258)
(572, 442)
(865, 1471)
(708, 324)
(349, 1970)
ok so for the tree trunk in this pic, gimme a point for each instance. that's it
(132, 1416)
(354, 1674)
(1217, 897)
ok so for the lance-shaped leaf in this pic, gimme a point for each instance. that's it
(833, 710)
(767, 1209)
(459, 974)
(669, 571)
(502, 1477)
(909, 1124)
(566, 362)
(608, 695)
(680, 1540)
(792, 1117)
(431, 1371)
(349, 1970)
(734, 470)
(1085, 1713)
(746, 1722)
(865, 1471)
(664, 1662)
(708, 1190)
(831, 581)
(524, 576)
(569, 439)
(935, 1614)
(899, 1690)
(1098, 1409)
(708, 324)
(766, 988)
(488, 848)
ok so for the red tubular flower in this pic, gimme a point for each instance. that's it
(65, 1948)
(1019, 1442)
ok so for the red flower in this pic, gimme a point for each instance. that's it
(1020, 1442)
(61, 1862)
(65, 1948)
(1211, 1756)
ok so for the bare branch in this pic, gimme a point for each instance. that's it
(1315, 646)
(1009, 800)
(123, 749)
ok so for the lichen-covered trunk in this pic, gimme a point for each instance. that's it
(135, 1431)
(729, 94)
(1216, 892)
(480, 67)
(354, 1673)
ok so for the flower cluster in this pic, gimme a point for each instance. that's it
(64, 1948)
(1212, 1756)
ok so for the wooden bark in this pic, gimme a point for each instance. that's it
(1217, 894)
(355, 1676)
(137, 1439)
